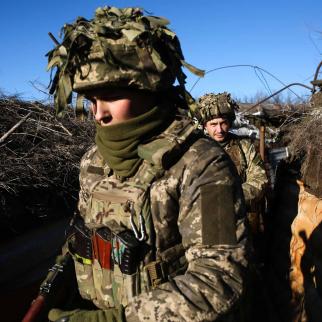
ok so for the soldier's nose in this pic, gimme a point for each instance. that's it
(101, 112)
(218, 129)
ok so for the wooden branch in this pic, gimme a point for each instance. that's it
(2, 139)
(63, 127)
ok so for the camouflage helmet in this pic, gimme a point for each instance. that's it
(117, 48)
(213, 106)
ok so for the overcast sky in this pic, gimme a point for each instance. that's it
(282, 37)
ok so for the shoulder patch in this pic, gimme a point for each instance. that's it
(218, 225)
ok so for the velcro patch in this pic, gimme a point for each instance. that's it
(218, 226)
(95, 170)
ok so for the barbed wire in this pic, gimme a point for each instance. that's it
(257, 70)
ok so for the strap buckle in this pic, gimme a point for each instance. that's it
(156, 273)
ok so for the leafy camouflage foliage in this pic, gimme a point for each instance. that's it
(117, 48)
(217, 105)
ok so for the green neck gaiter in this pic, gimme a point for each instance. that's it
(118, 144)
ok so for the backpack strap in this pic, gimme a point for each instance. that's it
(168, 146)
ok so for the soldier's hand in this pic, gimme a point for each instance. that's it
(109, 315)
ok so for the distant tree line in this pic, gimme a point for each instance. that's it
(286, 98)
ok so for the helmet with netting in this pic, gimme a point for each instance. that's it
(219, 105)
(120, 48)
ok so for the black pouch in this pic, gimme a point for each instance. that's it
(79, 241)
(126, 252)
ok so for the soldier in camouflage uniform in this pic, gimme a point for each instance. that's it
(217, 112)
(160, 234)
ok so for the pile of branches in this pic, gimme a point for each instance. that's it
(38, 149)
(303, 138)
(305, 133)
(39, 163)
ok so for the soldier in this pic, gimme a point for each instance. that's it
(217, 112)
(160, 234)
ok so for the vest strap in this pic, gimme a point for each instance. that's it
(156, 272)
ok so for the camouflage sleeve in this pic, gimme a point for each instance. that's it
(256, 179)
(211, 223)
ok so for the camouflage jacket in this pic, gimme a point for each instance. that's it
(197, 227)
(250, 167)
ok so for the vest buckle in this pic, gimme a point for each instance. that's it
(156, 272)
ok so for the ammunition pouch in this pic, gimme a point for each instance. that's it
(102, 247)
(110, 249)
(107, 247)
(79, 242)
(106, 263)
(126, 252)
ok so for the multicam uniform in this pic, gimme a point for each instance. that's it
(191, 262)
(250, 167)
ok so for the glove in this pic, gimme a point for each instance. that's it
(109, 315)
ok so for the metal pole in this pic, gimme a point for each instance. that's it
(262, 142)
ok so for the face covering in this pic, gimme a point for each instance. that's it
(118, 144)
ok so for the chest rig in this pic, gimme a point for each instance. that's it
(236, 153)
(112, 241)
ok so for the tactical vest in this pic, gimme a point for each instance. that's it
(113, 244)
(236, 153)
